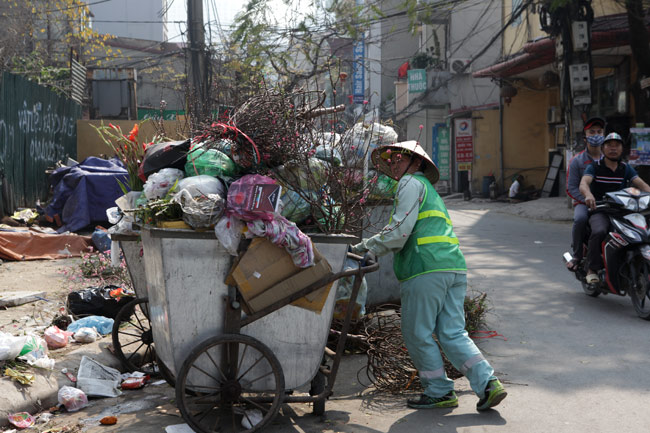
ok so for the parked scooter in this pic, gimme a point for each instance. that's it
(626, 250)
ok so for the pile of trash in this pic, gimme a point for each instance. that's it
(94, 309)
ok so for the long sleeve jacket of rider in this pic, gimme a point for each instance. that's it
(576, 170)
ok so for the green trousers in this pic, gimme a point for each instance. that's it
(433, 304)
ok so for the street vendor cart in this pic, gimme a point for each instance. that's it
(233, 370)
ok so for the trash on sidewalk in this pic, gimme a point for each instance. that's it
(178, 428)
(56, 338)
(134, 382)
(98, 380)
(10, 346)
(96, 301)
(21, 419)
(20, 377)
(34, 353)
(72, 398)
(69, 375)
(103, 325)
(108, 420)
(86, 335)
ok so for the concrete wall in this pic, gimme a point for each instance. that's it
(526, 136)
(90, 144)
(130, 10)
(486, 148)
(397, 45)
(472, 26)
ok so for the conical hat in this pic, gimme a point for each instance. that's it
(381, 154)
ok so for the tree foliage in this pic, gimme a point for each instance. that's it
(38, 37)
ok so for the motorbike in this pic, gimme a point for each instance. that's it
(625, 250)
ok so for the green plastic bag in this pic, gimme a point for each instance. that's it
(210, 162)
(296, 208)
(384, 188)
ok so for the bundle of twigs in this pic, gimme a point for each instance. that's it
(389, 366)
(269, 128)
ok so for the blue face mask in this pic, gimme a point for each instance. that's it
(595, 140)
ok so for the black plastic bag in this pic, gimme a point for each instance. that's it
(96, 301)
(170, 154)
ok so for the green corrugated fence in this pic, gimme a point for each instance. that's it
(37, 128)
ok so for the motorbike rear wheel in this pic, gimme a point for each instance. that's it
(640, 291)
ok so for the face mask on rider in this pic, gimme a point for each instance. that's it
(595, 140)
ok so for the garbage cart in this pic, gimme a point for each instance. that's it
(232, 371)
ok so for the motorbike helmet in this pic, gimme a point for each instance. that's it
(613, 136)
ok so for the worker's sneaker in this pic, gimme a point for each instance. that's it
(494, 394)
(426, 402)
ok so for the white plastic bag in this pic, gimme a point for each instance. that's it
(344, 291)
(10, 346)
(98, 380)
(159, 183)
(72, 398)
(228, 230)
(86, 335)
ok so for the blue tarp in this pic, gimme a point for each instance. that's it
(83, 192)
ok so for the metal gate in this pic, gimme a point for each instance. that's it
(37, 128)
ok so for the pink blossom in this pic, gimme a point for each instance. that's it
(421, 126)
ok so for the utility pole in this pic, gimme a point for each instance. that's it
(570, 25)
(197, 77)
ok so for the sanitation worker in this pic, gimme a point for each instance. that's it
(433, 280)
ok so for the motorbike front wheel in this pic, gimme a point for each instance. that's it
(590, 289)
(640, 290)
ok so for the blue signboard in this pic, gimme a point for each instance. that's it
(359, 72)
(441, 149)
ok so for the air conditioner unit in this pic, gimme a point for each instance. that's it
(460, 66)
(553, 115)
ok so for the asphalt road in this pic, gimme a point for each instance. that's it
(570, 363)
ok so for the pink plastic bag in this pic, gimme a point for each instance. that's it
(56, 338)
(253, 197)
(72, 398)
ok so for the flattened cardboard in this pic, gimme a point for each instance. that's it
(266, 273)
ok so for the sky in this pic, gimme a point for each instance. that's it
(223, 11)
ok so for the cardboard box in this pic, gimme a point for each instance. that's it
(266, 273)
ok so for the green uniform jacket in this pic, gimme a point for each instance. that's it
(432, 245)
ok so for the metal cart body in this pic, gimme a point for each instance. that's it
(131, 247)
(185, 273)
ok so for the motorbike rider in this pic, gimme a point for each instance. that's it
(605, 175)
(594, 130)
(432, 272)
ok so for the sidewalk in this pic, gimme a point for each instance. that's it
(549, 209)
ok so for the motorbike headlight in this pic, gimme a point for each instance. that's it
(644, 202)
(632, 205)
(628, 232)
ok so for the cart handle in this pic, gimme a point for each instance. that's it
(367, 264)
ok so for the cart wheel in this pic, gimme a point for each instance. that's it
(165, 372)
(132, 337)
(237, 381)
(318, 386)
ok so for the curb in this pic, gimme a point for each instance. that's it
(43, 392)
